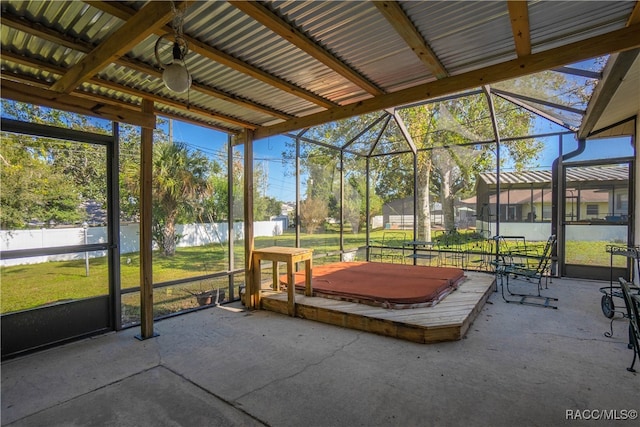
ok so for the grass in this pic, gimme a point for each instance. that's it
(27, 286)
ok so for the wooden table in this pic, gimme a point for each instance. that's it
(291, 256)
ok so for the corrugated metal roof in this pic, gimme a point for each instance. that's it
(464, 35)
(574, 174)
(555, 23)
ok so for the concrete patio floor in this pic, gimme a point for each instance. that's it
(517, 365)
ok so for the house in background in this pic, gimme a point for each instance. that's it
(398, 214)
(596, 194)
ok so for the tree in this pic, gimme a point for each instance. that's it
(180, 183)
(320, 165)
(32, 189)
(313, 213)
(273, 207)
(263, 206)
(47, 180)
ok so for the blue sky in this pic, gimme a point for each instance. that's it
(282, 187)
(266, 151)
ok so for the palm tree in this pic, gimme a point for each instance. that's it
(180, 185)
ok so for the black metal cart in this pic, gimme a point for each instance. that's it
(607, 302)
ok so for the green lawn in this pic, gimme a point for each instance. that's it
(33, 285)
(28, 286)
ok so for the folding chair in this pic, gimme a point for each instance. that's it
(534, 273)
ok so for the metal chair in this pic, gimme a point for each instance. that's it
(450, 250)
(634, 321)
(391, 248)
(517, 270)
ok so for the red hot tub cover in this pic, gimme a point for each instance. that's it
(383, 284)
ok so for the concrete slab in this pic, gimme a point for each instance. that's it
(517, 365)
(155, 397)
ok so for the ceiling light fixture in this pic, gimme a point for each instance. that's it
(176, 76)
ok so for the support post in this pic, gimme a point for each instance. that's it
(252, 290)
(113, 229)
(231, 232)
(146, 271)
(342, 199)
(494, 123)
(367, 209)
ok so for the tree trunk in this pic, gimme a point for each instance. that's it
(447, 199)
(423, 208)
(169, 240)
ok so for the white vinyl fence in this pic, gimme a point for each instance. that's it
(192, 235)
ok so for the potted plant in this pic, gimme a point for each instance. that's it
(207, 297)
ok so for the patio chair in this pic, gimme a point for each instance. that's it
(509, 268)
(634, 320)
(390, 248)
(450, 250)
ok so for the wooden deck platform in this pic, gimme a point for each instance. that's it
(448, 320)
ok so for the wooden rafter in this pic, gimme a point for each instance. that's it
(289, 32)
(195, 121)
(619, 40)
(519, 15)
(139, 66)
(125, 12)
(152, 16)
(69, 102)
(634, 16)
(98, 99)
(48, 34)
(393, 13)
(131, 91)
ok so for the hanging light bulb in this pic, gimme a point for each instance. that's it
(175, 76)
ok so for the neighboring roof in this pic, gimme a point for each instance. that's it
(522, 196)
(276, 66)
(578, 174)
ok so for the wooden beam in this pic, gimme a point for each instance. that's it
(140, 66)
(519, 15)
(124, 12)
(76, 104)
(43, 32)
(615, 41)
(284, 29)
(196, 121)
(242, 102)
(149, 18)
(146, 216)
(634, 16)
(258, 74)
(252, 289)
(392, 11)
(613, 75)
(99, 99)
